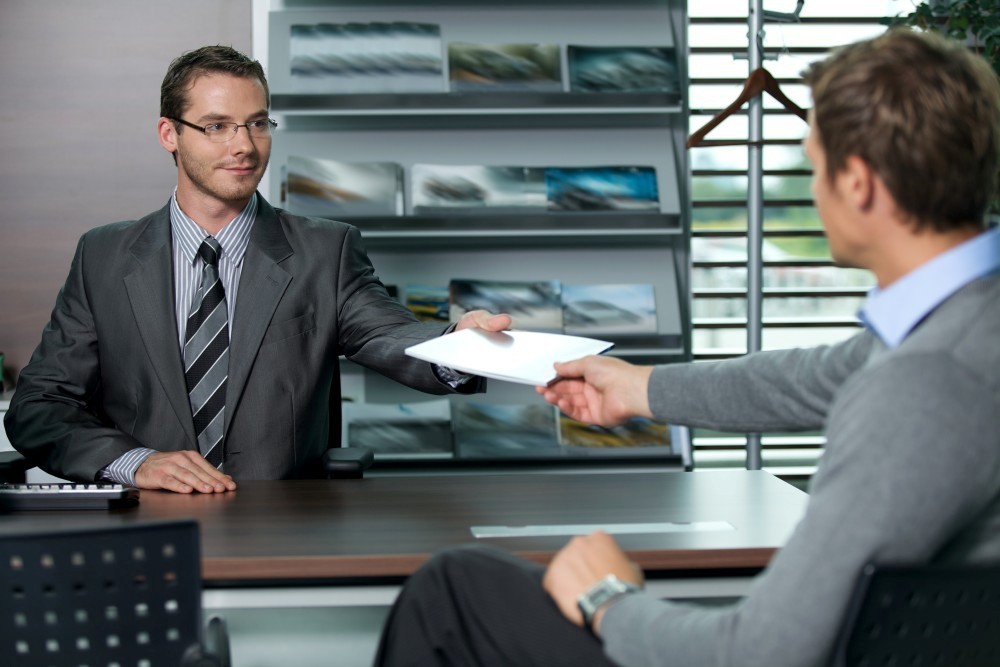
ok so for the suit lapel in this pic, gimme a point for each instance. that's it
(262, 284)
(149, 284)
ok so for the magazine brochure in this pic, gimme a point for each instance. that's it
(625, 69)
(504, 67)
(372, 57)
(609, 310)
(477, 188)
(331, 189)
(533, 305)
(610, 188)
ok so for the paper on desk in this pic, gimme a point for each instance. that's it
(525, 357)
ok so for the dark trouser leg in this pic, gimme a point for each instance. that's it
(476, 606)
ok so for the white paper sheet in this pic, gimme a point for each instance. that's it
(525, 357)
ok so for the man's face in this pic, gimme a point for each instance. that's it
(833, 209)
(226, 172)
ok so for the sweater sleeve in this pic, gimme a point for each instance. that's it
(783, 390)
(907, 467)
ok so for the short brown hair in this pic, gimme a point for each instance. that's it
(924, 113)
(208, 59)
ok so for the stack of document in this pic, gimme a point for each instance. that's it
(525, 357)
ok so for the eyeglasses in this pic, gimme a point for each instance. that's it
(220, 133)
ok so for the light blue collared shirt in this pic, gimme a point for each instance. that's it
(892, 313)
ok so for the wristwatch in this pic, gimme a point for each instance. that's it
(606, 590)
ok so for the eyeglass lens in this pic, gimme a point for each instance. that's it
(221, 132)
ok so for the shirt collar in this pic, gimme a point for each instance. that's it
(892, 313)
(233, 238)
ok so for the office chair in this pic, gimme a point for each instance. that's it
(929, 615)
(12, 467)
(128, 596)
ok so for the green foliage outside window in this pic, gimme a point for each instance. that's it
(976, 22)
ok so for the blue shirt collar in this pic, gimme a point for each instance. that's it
(892, 313)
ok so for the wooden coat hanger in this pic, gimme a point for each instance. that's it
(759, 81)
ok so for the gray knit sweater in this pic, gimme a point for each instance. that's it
(910, 473)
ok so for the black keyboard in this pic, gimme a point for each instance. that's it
(66, 496)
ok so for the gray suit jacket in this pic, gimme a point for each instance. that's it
(108, 375)
(910, 474)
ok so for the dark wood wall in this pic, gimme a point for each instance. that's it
(79, 101)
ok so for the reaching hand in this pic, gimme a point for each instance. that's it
(581, 564)
(183, 471)
(600, 390)
(481, 319)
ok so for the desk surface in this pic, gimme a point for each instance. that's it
(291, 532)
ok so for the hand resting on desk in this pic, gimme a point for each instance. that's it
(185, 471)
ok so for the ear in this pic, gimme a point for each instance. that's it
(857, 183)
(167, 134)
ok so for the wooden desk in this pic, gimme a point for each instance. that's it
(324, 531)
(313, 566)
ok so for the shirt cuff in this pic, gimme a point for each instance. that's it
(450, 376)
(122, 470)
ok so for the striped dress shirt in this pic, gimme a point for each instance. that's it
(186, 238)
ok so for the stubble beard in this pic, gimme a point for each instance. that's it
(206, 179)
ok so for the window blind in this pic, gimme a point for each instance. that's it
(806, 299)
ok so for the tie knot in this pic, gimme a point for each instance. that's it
(209, 251)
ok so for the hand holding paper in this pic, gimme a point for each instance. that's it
(600, 390)
(525, 357)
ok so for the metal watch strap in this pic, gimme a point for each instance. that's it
(605, 591)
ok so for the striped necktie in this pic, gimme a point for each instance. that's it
(206, 355)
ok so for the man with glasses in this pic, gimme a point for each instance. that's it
(199, 345)
(905, 143)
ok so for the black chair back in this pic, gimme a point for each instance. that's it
(923, 616)
(126, 595)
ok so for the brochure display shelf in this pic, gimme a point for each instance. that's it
(518, 230)
(653, 105)
(535, 129)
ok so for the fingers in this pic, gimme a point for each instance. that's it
(580, 408)
(183, 471)
(577, 399)
(482, 319)
(572, 381)
(601, 390)
(561, 389)
(571, 369)
(499, 322)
